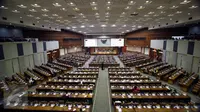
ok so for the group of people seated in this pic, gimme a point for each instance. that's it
(68, 91)
(131, 91)
(103, 61)
(74, 59)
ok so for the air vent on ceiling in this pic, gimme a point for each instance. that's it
(190, 18)
(4, 18)
(21, 21)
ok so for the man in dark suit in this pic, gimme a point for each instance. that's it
(102, 66)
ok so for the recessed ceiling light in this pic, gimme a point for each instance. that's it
(63, 9)
(15, 11)
(97, 16)
(20, 17)
(127, 8)
(93, 3)
(139, 26)
(3, 7)
(35, 5)
(151, 13)
(60, 17)
(171, 15)
(107, 13)
(170, 18)
(124, 25)
(162, 12)
(74, 27)
(71, 4)
(127, 30)
(131, 3)
(81, 14)
(82, 26)
(123, 13)
(188, 13)
(193, 7)
(80, 31)
(122, 32)
(94, 8)
(68, 27)
(76, 9)
(91, 25)
(174, 7)
(141, 7)
(37, 18)
(44, 10)
(32, 10)
(103, 25)
(56, 4)
(113, 25)
(133, 28)
(160, 7)
(54, 15)
(178, 12)
(96, 13)
(185, 2)
(146, 15)
(22, 6)
(148, 2)
(108, 3)
(108, 8)
(30, 15)
(44, 15)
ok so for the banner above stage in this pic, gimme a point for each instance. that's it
(104, 42)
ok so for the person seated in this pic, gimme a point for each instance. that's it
(135, 89)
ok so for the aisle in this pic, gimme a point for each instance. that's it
(102, 101)
(118, 61)
(86, 65)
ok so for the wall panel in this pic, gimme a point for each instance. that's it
(182, 47)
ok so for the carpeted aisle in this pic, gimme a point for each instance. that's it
(102, 101)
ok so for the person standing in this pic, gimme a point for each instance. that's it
(102, 66)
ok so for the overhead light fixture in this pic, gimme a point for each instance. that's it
(174, 7)
(134, 26)
(185, 2)
(151, 13)
(74, 27)
(160, 7)
(103, 25)
(148, 2)
(108, 8)
(82, 26)
(91, 25)
(171, 15)
(107, 13)
(193, 7)
(56, 4)
(131, 3)
(60, 17)
(15, 11)
(71, 4)
(37, 18)
(141, 7)
(127, 8)
(35, 5)
(3, 7)
(76, 9)
(68, 27)
(63, 9)
(32, 10)
(93, 3)
(44, 15)
(22, 6)
(123, 13)
(146, 15)
(113, 25)
(127, 30)
(44, 10)
(108, 3)
(139, 26)
(162, 12)
(124, 25)
(178, 12)
(30, 15)
(54, 15)
(94, 8)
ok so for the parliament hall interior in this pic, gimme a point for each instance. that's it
(100, 55)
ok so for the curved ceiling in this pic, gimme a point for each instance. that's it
(99, 16)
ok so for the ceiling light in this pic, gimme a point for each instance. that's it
(160, 7)
(127, 30)
(103, 25)
(127, 8)
(32, 10)
(146, 15)
(170, 18)
(74, 27)
(188, 13)
(76, 9)
(108, 8)
(151, 13)
(141, 7)
(63, 9)
(124, 25)
(44, 15)
(91, 25)
(35, 5)
(97, 16)
(131, 3)
(80, 31)
(133, 28)
(71, 4)
(37, 18)
(60, 17)
(193, 7)
(94, 8)
(3, 7)
(122, 32)
(113, 25)
(93, 3)
(15, 11)
(123, 13)
(85, 32)
(139, 26)
(22, 6)
(96, 13)
(107, 13)
(68, 27)
(44, 10)
(30, 15)
(82, 26)
(81, 14)
(162, 12)
(178, 12)
(56, 4)
(108, 3)
(20, 17)
(185, 2)
(148, 2)
(174, 7)
(54, 15)
(171, 15)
